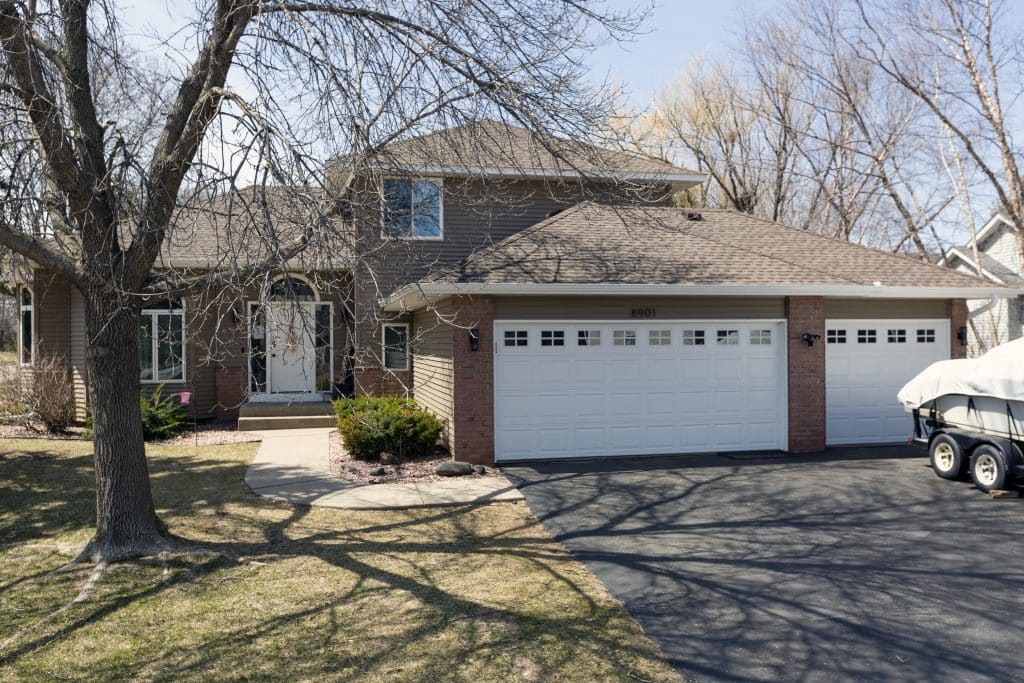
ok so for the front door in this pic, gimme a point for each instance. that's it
(290, 327)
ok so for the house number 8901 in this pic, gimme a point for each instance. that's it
(643, 313)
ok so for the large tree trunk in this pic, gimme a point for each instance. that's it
(126, 521)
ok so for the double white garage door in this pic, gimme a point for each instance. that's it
(586, 389)
(574, 389)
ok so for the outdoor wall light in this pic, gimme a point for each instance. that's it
(474, 339)
(809, 338)
(961, 336)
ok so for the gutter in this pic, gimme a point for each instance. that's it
(422, 294)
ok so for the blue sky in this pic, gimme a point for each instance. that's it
(677, 31)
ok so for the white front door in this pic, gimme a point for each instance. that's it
(866, 363)
(570, 389)
(290, 328)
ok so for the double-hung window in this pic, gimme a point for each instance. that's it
(396, 346)
(412, 209)
(162, 342)
(25, 325)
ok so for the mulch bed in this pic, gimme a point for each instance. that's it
(415, 470)
(205, 434)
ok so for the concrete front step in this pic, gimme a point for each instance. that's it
(252, 424)
(294, 409)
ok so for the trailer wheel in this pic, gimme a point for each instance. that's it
(988, 471)
(947, 457)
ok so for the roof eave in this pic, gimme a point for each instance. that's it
(679, 180)
(423, 294)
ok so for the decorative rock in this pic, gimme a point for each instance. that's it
(479, 469)
(379, 472)
(387, 458)
(453, 468)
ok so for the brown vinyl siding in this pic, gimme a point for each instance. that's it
(432, 367)
(622, 308)
(476, 214)
(51, 312)
(77, 354)
(846, 309)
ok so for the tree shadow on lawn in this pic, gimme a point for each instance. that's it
(298, 592)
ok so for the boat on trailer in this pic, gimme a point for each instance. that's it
(969, 413)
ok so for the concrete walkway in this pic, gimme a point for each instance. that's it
(293, 465)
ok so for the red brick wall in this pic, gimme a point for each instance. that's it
(806, 374)
(231, 391)
(957, 319)
(472, 430)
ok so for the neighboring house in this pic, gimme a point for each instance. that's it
(992, 321)
(539, 325)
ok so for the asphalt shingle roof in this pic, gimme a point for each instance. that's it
(249, 226)
(499, 146)
(601, 244)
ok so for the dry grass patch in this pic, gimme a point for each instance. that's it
(474, 594)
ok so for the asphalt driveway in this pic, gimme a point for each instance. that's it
(856, 564)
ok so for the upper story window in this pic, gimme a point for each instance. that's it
(25, 326)
(412, 209)
(162, 342)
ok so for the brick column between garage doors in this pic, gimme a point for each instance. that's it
(957, 320)
(472, 428)
(806, 315)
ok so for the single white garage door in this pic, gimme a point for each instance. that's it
(567, 389)
(866, 363)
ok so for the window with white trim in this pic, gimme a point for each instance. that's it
(693, 337)
(659, 337)
(552, 337)
(162, 342)
(517, 337)
(624, 338)
(588, 338)
(412, 209)
(926, 336)
(25, 325)
(728, 337)
(761, 337)
(897, 336)
(396, 346)
(835, 336)
(867, 336)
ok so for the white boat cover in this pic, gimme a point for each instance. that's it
(998, 374)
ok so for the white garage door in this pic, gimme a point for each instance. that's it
(566, 389)
(866, 364)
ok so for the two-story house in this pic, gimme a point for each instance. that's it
(996, 320)
(548, 308)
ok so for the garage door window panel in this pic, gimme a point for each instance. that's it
(728, 337)
(926, 336)
(659, 337)
(514, 338)
(897, 336)
(552, 337)
(836, 336)
(867, 336)
(761, 337)
(588, 338)
(693, 337)
(624, 338)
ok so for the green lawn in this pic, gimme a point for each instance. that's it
(470, 594)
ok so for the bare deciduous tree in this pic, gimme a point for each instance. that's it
(108, 157)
